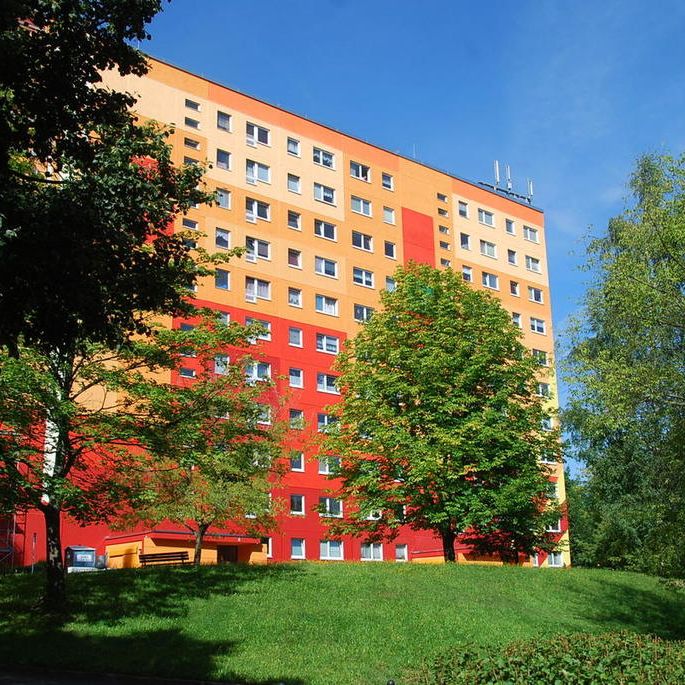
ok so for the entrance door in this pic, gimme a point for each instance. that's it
(227, 554)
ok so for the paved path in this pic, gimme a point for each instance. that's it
(37, 677)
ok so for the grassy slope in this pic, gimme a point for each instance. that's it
(316, 624)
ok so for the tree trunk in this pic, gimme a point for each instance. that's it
(199, 536)
(448, 538)
(55, 588)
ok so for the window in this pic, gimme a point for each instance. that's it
(372, 551)
(265, 334)
(326, 267)
(297, 548)
(362, 277)
(445, 262)
(221, 364)
(390, 250)
(223, 121)
(294, 220)
(443, 212)
(297, 461)
(293, 183)
(463, 209)
(223, 159)
(331, 550)
(543, 390)
(295, 297)
(512, 257)
(190, 160)
(294, 147)
(264, 414)
(256, 171)
(465, 241)
(441, 197)
(296, 378)
(187, 327)
(490, 280)
(326, 305)
(390, 284)
(509, 227)
(531, 234)
(362, 241)
(296, 419)
(554, 527)
(388, 215)
(323, 157)
(485, 217)
(467, 273)
(257, 134)
(324, 193)
(222, 279)
(537, 325)
(297, 505)
(401, 553)
(257, 249)
(222, 238)
(327, 343)
(541, 357)
(488, 249)
(294, 258)
(323, 421)
(516, 319)
(194, 144)
(514, 288)
(360, 205)
(255, 209)
(548, 458)
(192, 123)
(444, 245)
(257, 289)
(555, 560)
(295, 337)
(186, 372)
(223, 198)
(546, 424)
(329, 506)
(360, 171)
(192, 244)
(535, 294)
(324, 229)
(189, 224)
(224, 318)
(533, 264)
(329, 466)
(362, 312)
(387, 181)
(257, 371)
(325, 382)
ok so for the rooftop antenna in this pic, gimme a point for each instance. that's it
(496, 173)
(530, 191)
(509, 183)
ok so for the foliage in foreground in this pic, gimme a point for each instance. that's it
(581, 659)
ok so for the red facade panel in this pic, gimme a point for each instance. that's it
(417, 234)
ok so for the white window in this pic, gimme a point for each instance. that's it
(537, 325)
(535, 294)
(323, 157)
(257, 134)
(533, 264)
(362, 241)
(514, 288)
(256, 171)
(444, 230)
(191, 143)
(485, 217)
(441, 197)
(390, 284)
(295, 297)
(265, 333)
(323, 421)
(331, 550)
(327, 343)
(191, 104)
(257, 371)
(189, 224)
(488, 249)
(329, 506)
(531, 234)
(463, 209)
(223, 198)
(223, 121)
(543, 390)
(222, 238)
(297, 550)
(264, 414)
(401, 553)
(541, 357)
(293, 183)
(257, 249)
(296, 378)
(546, 424)
(224, 318)
(294, 258)
(490, 280)
(326, 305)
(516, 319)
(326, 267)
(548, 458)
(512, 257)
(324, 229)
(296, 419)
(255, 209)
(221, 364)
(388, 215)
(186, 372)
(362, 277)
(297, 505)
(443, 212)
(325, 382)
(360, 171)
(257, 289)
(329, 466)
(362, 312)
(390, 250)
(294, 220)
(510, 227)
(294, 147)
(222, 279)
(297, 461)
(465, 241)
(555, 560)
(535, 560)
(467, 273)
(192, 123)
(190, 160)
(324, 193)
(360, 205)
(223, 159)
(372, 551)
(554, 527)
(387, 181)
(445, 262)
(295, 337)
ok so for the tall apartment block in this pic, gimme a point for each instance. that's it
(325, 219)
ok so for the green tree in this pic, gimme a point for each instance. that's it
(625, 368)
(440, 426)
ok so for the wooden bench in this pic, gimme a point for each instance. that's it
(164, 558)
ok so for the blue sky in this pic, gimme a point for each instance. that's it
(568, 94)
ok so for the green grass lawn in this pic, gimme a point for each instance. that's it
(319, 624)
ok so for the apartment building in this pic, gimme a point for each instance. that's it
(325, 219)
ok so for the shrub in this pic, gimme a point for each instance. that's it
(616, 658)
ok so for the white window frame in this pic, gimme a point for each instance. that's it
(299, 459)
(295, 297)
(257, 172)
(256, 248)
(322, 264)
(226, 166)
(488, 279)
(321, 191)
(555, 560)
(362, 312)
(257, 210)
(221, 362)
(465, 241)
(325, 469)
(467, 273)
(516, 319)
(325, 550)
(296, 256)
(297, 225)
(390, 247)
(532, 235)
(327, 504)
(295, 332)
(191, 104)
(219, 235)
(228, 126)
(329, 344)
(254, 286)
(463, 209)
(362, 241)
(297, 511)
(363, 277)
(536, 294)
(325, 382)
(538, 325)
(321, 227)
(404, 556)
(361, 172)
(387, 181)
(295, 418)
(293, 143)
(294, 184)
(192, 123)
(389, 215)
(222, 274)
(363, 207)
(486, 218)
(510, 226)
(223, 198)
(512, 257)
(303, 554)
(187, 372)
(257, 372)
(253, 138)
(488, 249)
(324, 304)
(515, 288)
(295, 380)
(533, 264)
(371, 551)
(323, 158)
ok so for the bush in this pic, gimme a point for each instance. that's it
(617, 658)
